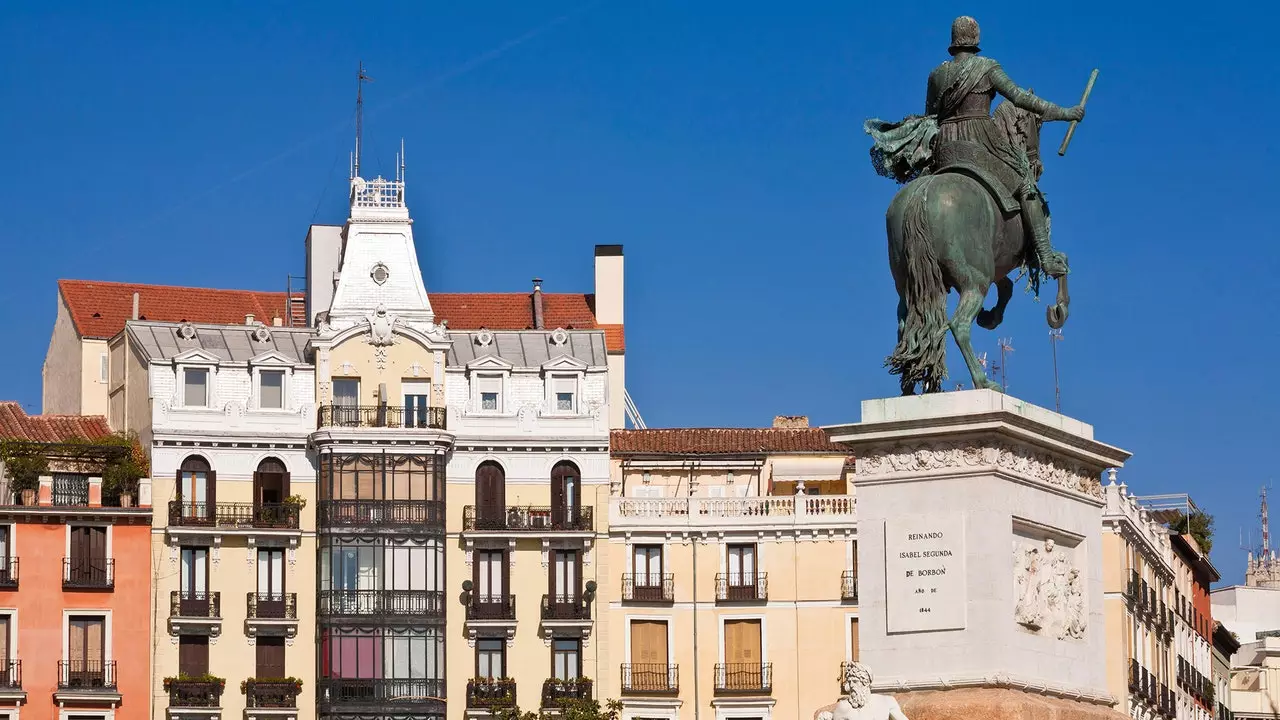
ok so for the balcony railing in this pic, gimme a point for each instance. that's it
(744, 678)
(270, 693)
(384, 416)
(555, 691)
(651, 679)
(649, 588)
(8, 573)
(183, 603)
(380, 691)
(265, 516)
(86, 675)
(184, 693)
(1135, 675)
(271, 606)
(11, 675)
(390, 513)
(490, 693)
(492, 607)
(749, 587)
(528, 519)
(380, 602)
(849, 585)
(761, 512)
(86, 574)
(565, 607)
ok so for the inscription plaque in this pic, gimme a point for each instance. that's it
(925, 583)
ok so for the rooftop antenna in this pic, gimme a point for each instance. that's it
(1266, 524)
(361, 79)
(1055, 337)
(1006, 347)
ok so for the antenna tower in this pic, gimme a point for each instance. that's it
(1006, 347)
(1266, 524)
(361, 79)
(1055, 337)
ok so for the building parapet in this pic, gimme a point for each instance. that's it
(1124, 508)
(749, 512)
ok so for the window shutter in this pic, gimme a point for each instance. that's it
(177, 485)
(212, 493)
(285, 485)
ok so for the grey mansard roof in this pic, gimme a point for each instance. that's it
(528, 348)
(230, 343)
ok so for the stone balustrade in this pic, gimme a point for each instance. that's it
(752, 512)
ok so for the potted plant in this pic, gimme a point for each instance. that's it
(296, 501)
(120, 478)
(24, 468)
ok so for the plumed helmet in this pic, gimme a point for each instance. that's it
(964, 35)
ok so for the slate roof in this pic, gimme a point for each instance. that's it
(528, 348)
(100, 309)
(15, 424)
(722, 441)
(229, 343)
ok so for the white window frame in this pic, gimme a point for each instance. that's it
(108, 652)
(66, 547)
(671, 634)
(286, 383)
(480, 382)
(211, 394)
(764, 635)
(556, 380)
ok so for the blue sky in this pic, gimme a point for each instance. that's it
(721, 143)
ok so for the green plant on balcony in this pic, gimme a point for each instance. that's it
(205, 678)
(246, 684)
(571, 709)
(296, 501)
(24, 465)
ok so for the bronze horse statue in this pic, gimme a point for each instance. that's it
(947, 231)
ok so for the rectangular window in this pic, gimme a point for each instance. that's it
(853, 640)
(743, 655)
(193, 655)
(271, 389)
(649, 670)
(490, 389)
(193, 590)
(417, 400)
(491, 568)
(104, 367)
(86, 651)
(270, 658)
(6, 627)
(564, 389)
(564, 576)
(195, 387)
(566, 659)
(346, 392)
(491, 658)
(648, 565)
(88, 560)
(742, 564)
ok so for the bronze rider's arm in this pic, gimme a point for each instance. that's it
(1031, 103)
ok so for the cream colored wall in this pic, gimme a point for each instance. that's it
(234, 575)
(62, 384)
(1119, 626)
(398, 365)
(93, 391)
(137, 394)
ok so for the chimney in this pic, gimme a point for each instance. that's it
(609, 284)
(539, 322)
(791, 422)
(135, 306)
(277, 321)
(248, 318)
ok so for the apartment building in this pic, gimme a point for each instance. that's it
(729, 573)
(1194, 637)
(74, 571)
(1140, 606)
(1225, 646)
(226, 411)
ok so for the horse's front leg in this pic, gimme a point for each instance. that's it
(991, 319)
(961, 324)
(1056, 314)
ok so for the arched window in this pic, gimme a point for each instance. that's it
(566, 494)
(270, 482)
(197, 490)
(491, 496)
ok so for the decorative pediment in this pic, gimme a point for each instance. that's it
(196, 356)
(564, 362)
(271, 357)
(489, 362)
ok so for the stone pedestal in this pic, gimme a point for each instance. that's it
(979, 553)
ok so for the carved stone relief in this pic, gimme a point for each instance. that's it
(1034, 464)
(1048, 591)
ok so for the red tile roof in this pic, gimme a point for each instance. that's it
(17, 425)
(722, 441)
(100, 309)
(514, 311)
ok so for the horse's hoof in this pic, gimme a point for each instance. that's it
(1056, 315)
(987, 320)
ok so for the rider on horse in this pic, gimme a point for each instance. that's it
(958, 125)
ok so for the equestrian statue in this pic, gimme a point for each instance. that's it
(970, 212)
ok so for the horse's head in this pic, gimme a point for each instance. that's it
(1022, 128)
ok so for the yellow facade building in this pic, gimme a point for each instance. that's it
(728, 573)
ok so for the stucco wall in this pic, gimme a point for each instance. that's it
(61, 371)
(406, 359)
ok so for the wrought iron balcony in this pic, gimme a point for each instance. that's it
(1135, 675)
(384, 416)
(183, 603)
(565, 607)
(492, 607)
(271, 606)
(744, 678)
(238, 516)
(649, 588)
(745, 587)
(195, 693)
(490, 693)
(849, 585)
(513, 518)
(651, 679)
(380, 602)
(9, 573)
(381, 693)
(11, 675)
(281, 694)
(88, 574)
(555, 691)
(384, 513)
(87, 675)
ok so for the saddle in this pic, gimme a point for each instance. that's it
(970, 158)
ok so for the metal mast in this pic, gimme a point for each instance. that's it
(361, 78)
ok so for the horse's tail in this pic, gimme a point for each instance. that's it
(920, 356)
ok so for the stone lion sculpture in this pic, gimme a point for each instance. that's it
(858, 702)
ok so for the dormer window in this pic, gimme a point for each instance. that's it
(564, 390)
(271, 389)
(490, 390)
(195, 387)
